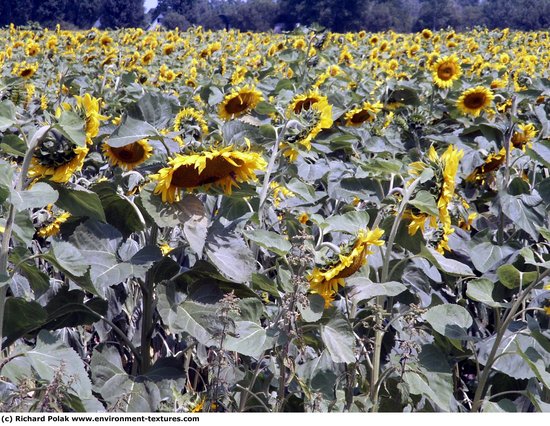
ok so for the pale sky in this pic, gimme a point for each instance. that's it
(149, 4)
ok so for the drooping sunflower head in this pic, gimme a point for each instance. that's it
(474, 100)
(52, 226)
(309, 123)
(524, 136)
(90, 106)
(492, 162)
(128, 156)
(192, 122)
(326, 281)
(304, 101)
(223, 168)
(56, 158)
(366, 113)
(239, 102)
(445, 71)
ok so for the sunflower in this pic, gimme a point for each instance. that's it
(128, 156)
(491, 163)
(223, 168)
(366, 113)
(445, 169)
(310, 123)
(474, 100)
(445, 71)
(25, 70)
(194, 122)
(524, 136)
(304, 101)
(239, 102)
(56, 158)
(53, 228)
(90, 105)
(326, 281)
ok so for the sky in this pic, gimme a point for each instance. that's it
(149, 4)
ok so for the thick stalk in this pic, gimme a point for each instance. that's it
(379, 330)
(148, 311)
(6, 237)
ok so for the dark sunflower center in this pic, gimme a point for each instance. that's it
(474, 101)
(304, 105)
(216, 169)
(239, 104)
(26, 72)
(130, 153)
(360, 117)
(55, 151)
(445, 72)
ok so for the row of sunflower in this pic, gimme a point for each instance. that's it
(275, 219)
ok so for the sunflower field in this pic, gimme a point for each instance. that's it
(252, 222)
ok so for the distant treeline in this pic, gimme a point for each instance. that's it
(263, 15)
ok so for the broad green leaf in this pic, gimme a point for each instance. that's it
(21, 317)
(511, 277)
(37, 196)
(364, 289)
(69, 258)
(425, 202)
(249, 339)
(418, 385)
(13, 145)
(156, 109)
(7, 115)
(525, 211)
(68, 309)
(540, 152)
(493, 255)
(449, 320)
(189, 212)
(350, 222)
(338, 339)
(72, 126)
(269, 240)
(449, 266)
(314, 309)
(262, 283)
(130, 131)
(481, 290)
(79, 201)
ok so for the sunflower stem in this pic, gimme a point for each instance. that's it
(6, 237)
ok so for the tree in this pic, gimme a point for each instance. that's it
(122, 13)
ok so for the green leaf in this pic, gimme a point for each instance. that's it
(68, 309)
(449, 266)
(119, 211)
(525, 211)
(449, 320)
(130, 131)
(156, 109)
(350, 222)
(540, 152)
(493, 255)
(249, 339)
(269, 240)
(72, 126)
(418, 385)
(511, 277)
(361, 289)
(262, 283)
(21, 317)
(230, 254)
(425, 202)
(338, 339)
(481, 290)
(313, 311)
(79, 201)
(69, 258)
(189, 212)
(7, 115)
(13, 145)
(37, 196)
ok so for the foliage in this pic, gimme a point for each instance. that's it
(308, 221)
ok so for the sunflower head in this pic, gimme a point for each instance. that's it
(445, 71)
(192, 122)
(475, 100)
(366, 113)
(524, 136)
(57, 158)
(128, 156)
(309, 123)
(52, 227)
(222, 168)
(304, 101)
(90, 106)
(239, 102)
